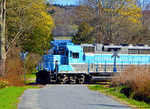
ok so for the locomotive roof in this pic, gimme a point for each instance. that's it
(59, 41)
(75, 48)
(129, 47)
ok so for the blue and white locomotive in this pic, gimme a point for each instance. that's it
(78, 63)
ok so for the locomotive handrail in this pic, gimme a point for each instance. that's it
(97, 63)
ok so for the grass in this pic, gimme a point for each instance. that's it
(97, 87)
(28, 81)
(32, 75)
(30, 78)
(115, 91)
(63, 37)
(9, 96)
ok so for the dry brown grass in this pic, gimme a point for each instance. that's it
(138, 78)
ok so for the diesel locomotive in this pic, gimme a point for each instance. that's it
(79, 63)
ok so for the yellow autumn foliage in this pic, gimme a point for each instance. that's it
(29, 13)
(30, 24)
(126, 11)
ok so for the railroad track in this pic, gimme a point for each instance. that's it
(103, 79)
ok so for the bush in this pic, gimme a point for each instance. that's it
(137, 78)
(32, 61)
(15, 67)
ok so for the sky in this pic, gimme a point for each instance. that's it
(65, 2)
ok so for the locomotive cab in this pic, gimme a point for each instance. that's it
(75, 54)
(62, 51)
(69, 53)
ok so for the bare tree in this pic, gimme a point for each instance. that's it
(2, 35)
(112, 21)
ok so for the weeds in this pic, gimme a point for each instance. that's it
(137, 79)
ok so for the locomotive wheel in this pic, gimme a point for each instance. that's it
(77, 81)
(64, 80)
(61, 82)
(68, 79)
(82, 80)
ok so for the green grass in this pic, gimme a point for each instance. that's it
(115, 92)
(30, 78)
(30, 81)
(63, 37)
(97, 87)
(9, 96)
(32, 75)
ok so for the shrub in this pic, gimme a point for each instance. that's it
(15, 68)
(137, 78)
(32, 61)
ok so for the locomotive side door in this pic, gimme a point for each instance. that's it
(63, 55)
(66, 57)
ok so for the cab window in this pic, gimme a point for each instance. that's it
(75, 55)
(67, 53)
(54, 52)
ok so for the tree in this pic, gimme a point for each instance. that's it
(22, 18)
(26, 20)
(83, 35)
(38, 39)
(144, 32)
(108, 18)
(64, 15)
(2, 36)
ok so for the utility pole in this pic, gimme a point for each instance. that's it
(2, 36)
(100, 13)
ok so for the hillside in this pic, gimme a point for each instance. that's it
(64, 20)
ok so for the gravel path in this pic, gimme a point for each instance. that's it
(67, 97)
